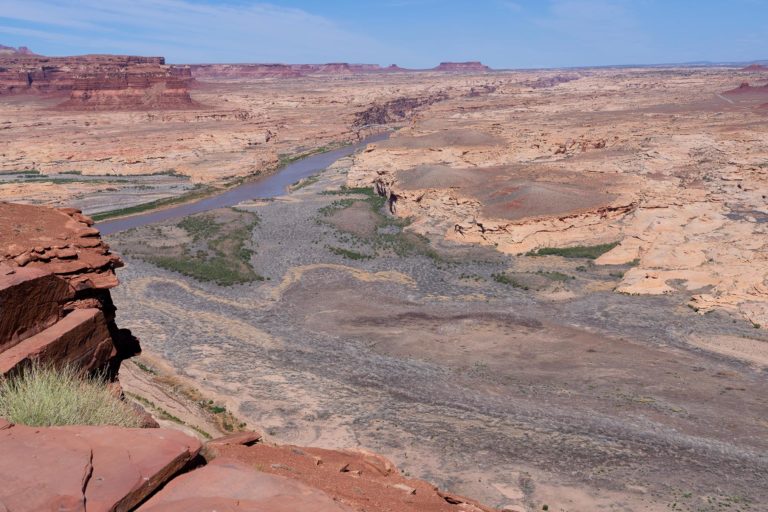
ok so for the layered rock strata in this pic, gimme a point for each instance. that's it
(55, 305)
(99, 82)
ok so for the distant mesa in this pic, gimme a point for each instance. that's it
(259, 70)
(10, 50)
(755, 67)
(463, 67)
(127, 82)
(97, 82)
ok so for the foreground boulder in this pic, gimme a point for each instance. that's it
(76, 468)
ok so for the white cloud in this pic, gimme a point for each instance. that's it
(189, 31)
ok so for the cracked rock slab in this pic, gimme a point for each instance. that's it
(79, 468)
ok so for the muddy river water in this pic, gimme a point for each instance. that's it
(269, 186)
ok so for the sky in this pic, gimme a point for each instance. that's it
(410, 33)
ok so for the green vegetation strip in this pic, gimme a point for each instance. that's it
(580, 251)
(202, 192)
(289, 159)
(193, 195)
(508, 280)
(223, 255)
(389, 235)
(347, 253)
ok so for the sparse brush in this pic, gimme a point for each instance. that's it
(44, 396)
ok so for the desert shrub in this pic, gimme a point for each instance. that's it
(508, 280)
(352, 255)
(44, 396)
(554, 275)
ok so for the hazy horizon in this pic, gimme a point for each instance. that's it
(409, 33)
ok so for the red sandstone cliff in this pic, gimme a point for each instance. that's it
(55, 305)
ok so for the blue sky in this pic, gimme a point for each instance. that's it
(411, 33)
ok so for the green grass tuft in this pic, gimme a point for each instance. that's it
(42, 396)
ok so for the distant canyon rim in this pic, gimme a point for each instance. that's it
(545, 286)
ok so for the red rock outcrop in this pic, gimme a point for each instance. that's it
(113, 469)
(230, 485)
(360, 480)
(755, 67)
(99, 82)
(105, 468)
(55, 276)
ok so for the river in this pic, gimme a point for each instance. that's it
(270, 186)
